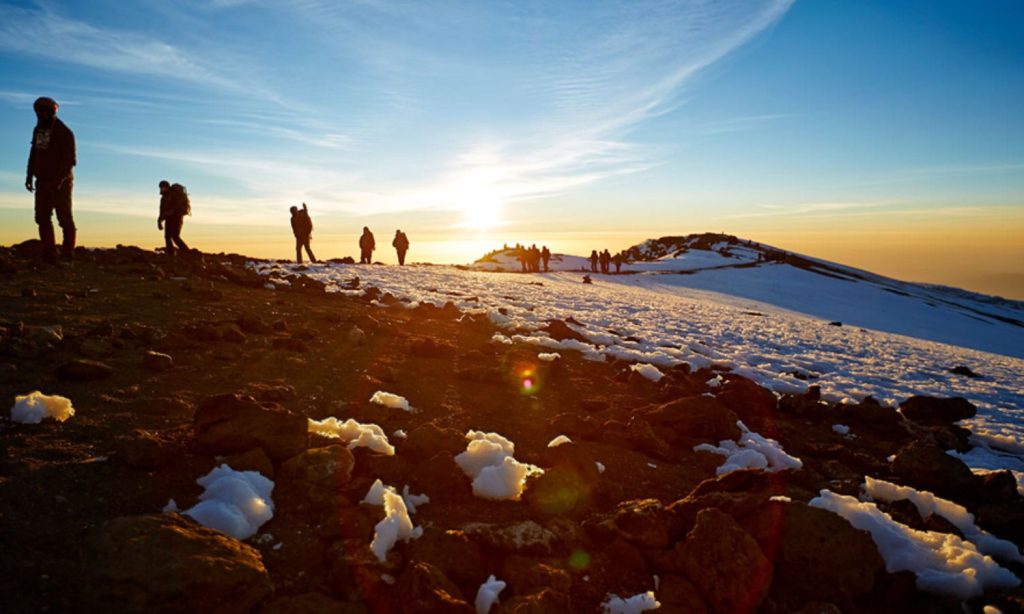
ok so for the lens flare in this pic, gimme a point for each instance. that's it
(579, 559)
(527, 378)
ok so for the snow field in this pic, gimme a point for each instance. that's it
(725, 318)
(34, 407)
(236, 503)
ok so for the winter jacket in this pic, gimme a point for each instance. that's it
(53, 152)
(302, 225)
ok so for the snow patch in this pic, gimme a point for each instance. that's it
(356, 435)
(34, 407)
(942, 562)
(841, 429)
(487, 594)
(648, 370)
(496, 473)
(392, 401)
(632, 605)
(396, 525)
(751, 450)
(548, 356)
(557, 441)
(237, 503)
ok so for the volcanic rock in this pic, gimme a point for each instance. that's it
(459, 557)
(698, 417)
(311, 603)
(429, 439)
(677, 594)
(644, 522)
(926, 466)
(144, 450)
(525, 537)
(725, 563)
(321, 471)
(525, 575)
(545, 601)
(560, 331)
(166, 563)
(424, 588)
(157, 361)
(81, 370)
(932, 410)
(229, 423)
(253, 460)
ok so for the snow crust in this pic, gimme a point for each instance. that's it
(355, 434)
(487, 594)
(392, 401)
(928, 504)
(841, 429)
(752, 451)
(557, 441)
(649, 371)
(548, 356)
(236, 503)
(631, 605)
(942, 562)
(34, 407)
(489, 461)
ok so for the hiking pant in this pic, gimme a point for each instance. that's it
(401, 257)
(366, 256)
(55, 195)
(172, 234)
(303, 242)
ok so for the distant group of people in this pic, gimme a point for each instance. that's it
(302, 228)
(531, 258)
(605, 260)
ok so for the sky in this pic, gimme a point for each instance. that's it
(883, 134)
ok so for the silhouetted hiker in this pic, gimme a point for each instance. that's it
(593, 261)
(606, 261)
(366, 246)
(523, 257)
(302, 228)
(545, 255)
(174, 206)
(401, 245)
(617, 261)
(50, 162)
(534, 258)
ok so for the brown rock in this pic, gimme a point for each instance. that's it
(698, 417)
(677, 594)
(524, 537)
(322, 472)
(543, 602)
(82, 370)
(642, 436)
(818, 555)
(252, 460)
(442, 477)
(751, 402)
(424, 588)
(429, 439)
(560, 331)
(166, 563)
(926, 466)
(644, 522)
(452, 551)
(428, 347)
(525, 575)
(724, 563)
(275, 393)
(312, 603)
(157, 361)
(144, 450)
(938, 411)
(254, 325)
(561, 490)
(228, 423)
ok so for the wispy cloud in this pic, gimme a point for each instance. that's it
(920, 173)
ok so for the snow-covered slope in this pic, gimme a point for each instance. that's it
(773, 321)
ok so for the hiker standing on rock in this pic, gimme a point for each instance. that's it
(401, 245)
(302, 228)
(50, 162)
(545, 256)
(366, 246)
(174, 206)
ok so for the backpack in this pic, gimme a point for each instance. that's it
(179, 196)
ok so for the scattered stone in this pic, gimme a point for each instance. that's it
(232, 333)
(926, 466)
(81, 370)
(252, 460)
(311, 603)
(276, 393)
(677, 594)
(698, 417)
(429, 439)
(525, 575)
(643, 522)
(157, 361)
(254, 325)
(560, 331)
(322, 472)
(724, 563)
(229, 423)
(933, 410)
(452, 551)
(142, 449)
(428, 347)
(167, 563)
(545, 601)
(424, 588)
(290, 344)
(525, 537)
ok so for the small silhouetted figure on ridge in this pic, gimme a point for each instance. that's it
(534, 259)
(523, 256)
(174, 206)
(302, 228)
(50, 162)
(545, 255)
(606, 261)
(593, 261)
(366, 246)
(401, 245)
(617, 260)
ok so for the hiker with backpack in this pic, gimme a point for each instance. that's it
(401, 245)
(302, 228)
(174, 206)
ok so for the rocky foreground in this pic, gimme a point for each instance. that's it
(177, 366)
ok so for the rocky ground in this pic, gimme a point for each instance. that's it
(175, 366)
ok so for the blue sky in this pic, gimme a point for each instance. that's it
(511, 120)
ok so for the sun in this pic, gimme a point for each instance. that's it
(481, 205)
